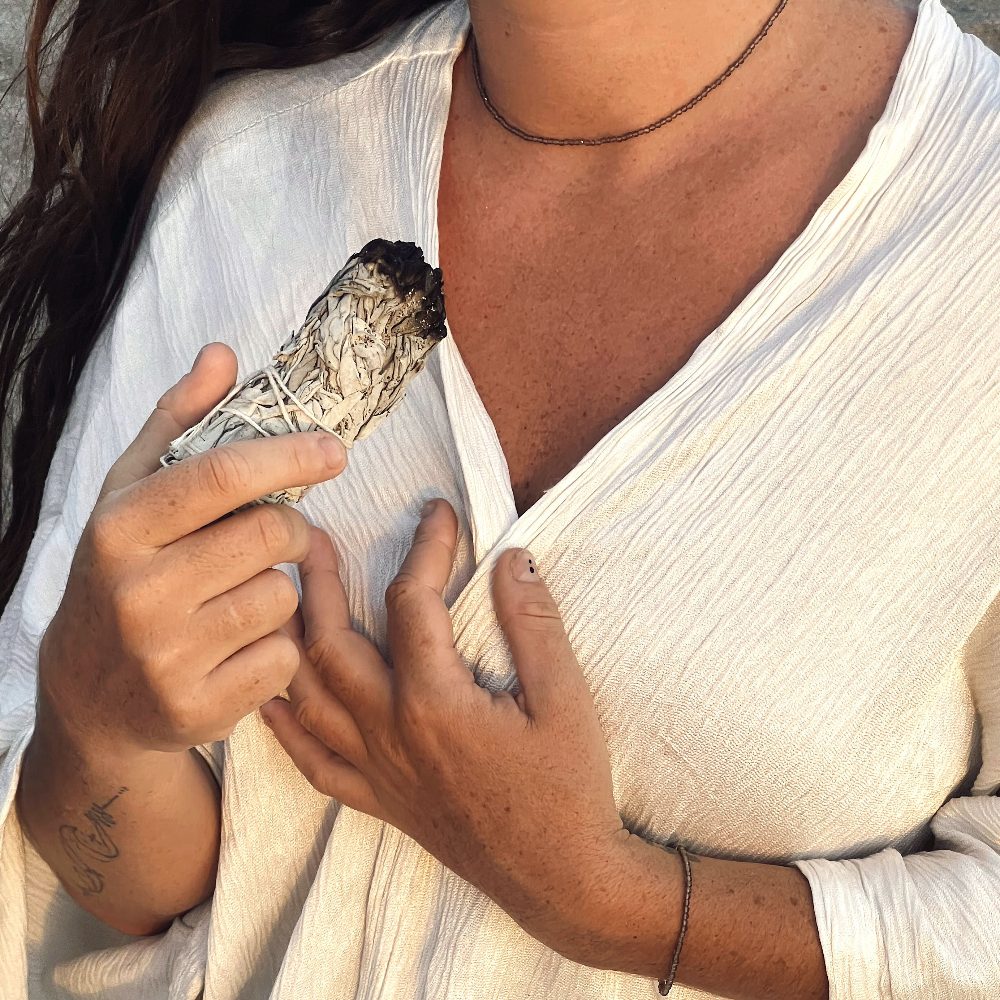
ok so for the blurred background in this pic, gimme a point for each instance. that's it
(979, 16)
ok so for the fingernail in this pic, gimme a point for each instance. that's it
(197, 358)
(523, 567)
(336, 453)
(428, 507)
(265, 711)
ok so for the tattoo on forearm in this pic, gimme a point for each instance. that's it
(91, 844)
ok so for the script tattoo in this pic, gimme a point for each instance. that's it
(91, 844)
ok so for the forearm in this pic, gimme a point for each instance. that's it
(133, 836)
(751, 931)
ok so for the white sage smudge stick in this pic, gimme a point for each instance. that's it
(363, 341)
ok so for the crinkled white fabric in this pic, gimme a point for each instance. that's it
(777, 572)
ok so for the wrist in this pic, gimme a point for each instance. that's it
(64, 743)
(68, 725)
(628, 914)
(61, 770)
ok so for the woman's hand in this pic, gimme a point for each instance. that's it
(167, 634)
(512, 793)
(169, 629)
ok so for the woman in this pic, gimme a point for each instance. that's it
(731, 379)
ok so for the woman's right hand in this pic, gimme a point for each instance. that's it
(170, 629)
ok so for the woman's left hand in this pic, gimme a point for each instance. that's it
(513, 793)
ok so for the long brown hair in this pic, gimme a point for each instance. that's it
(127, 77)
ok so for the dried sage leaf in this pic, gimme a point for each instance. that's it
(345, 369)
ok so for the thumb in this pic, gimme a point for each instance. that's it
(547, 668)
(211, 376)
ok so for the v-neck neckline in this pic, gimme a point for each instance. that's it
(491, 509)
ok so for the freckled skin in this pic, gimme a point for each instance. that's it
(600, 286)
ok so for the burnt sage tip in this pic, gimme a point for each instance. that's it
(404, 265)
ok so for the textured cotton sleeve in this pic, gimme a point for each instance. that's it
(925, 925)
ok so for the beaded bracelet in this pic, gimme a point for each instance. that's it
(664, 985)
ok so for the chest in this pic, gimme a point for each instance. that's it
(570, 309)
(577, 286)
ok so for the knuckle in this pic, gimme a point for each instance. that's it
(129, 605)
(283, 594)
(165, 404)
(223, 471)
(284, 657)
(177, 713)
(260, 608)
(544, 611)
(416, 711)
(171, 702)
(533, 616)
(323, 651)
(274, 530)
(402, 590)
(300, 710)
(304, 458)
(157, 660)
(242, 615)
(305, 714)
(105, 530)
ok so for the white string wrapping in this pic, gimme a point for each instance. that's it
(362, 342)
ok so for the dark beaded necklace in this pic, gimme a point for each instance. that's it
(700, 96)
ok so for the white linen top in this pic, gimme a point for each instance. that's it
(781, 572)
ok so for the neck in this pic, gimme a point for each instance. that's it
(592, 67)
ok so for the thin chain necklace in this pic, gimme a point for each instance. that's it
(700, 96)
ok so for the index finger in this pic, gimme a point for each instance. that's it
(212, 376)
(175, 501)
(421, 640)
